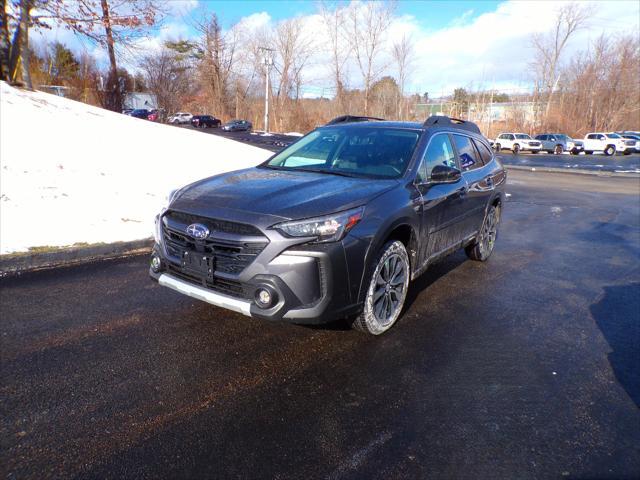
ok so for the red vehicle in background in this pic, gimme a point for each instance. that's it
(153, 115)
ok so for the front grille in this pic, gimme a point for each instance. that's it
(226, 287)
(216, 225)
(534, 144)
(233, 250)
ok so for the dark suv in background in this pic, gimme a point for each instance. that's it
(335, 225)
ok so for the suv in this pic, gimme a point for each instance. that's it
(516, 142)
(180, 118)
(335, 225)
(632, 136)
(609, 143)
(558, 143)
(205, 121)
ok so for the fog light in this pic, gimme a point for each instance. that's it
(265, 297)
(156, 263)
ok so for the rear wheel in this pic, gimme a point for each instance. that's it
(498, 147)
(387, 290)
(482, 248)
(610, 150)
(558, 150)
(588, 152)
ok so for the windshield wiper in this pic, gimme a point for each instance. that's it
(321, 170)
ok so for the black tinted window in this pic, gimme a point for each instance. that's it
(439, 152)
(485, 152)
(468, 156)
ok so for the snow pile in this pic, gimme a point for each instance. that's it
(72, 173)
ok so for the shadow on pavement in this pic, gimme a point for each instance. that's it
(617, 314)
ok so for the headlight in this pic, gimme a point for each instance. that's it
(330, 228)
(570, 145)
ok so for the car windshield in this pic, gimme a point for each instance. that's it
(374, 152)
(613, 135)
(523, 136)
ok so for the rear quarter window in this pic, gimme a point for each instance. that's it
(485, 153)
(469, 158)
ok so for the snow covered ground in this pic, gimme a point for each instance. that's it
(72, 173)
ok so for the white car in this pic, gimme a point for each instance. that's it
(609, 143)
(634, 137)
(516, 142)
(180, 117)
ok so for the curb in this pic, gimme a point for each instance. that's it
(597, 173)
(17, 263)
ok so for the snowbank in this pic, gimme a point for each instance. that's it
(72, 173)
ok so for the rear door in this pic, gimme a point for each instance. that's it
(442, 205)
(479, 181)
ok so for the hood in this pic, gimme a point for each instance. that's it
(283, 195)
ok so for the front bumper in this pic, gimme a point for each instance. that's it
(309, 284)
(531, 148)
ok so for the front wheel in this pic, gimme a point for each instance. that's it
(498, 147)
(515, 149)
(482, 248)
(387, 290)
(610, 150)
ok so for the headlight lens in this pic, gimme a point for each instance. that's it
(330, 228)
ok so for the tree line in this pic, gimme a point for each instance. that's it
(221, 71)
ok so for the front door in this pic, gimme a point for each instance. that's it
(443, 204)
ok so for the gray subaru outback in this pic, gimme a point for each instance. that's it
(337, 224)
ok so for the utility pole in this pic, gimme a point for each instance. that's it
(268, 62)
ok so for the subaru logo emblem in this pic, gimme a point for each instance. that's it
(197, 230)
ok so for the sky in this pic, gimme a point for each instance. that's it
(471, 44)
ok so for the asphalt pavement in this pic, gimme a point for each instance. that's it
(526, 366)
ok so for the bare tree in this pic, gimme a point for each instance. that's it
(403, 53)
(110, 23)
(334, 18)
(167, 74)
(365, 30)
(549, 47)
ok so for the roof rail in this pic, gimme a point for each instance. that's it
(351, 119)
(444, 121)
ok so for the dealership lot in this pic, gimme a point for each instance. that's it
(531, 370)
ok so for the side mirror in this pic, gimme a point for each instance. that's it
(445, 174)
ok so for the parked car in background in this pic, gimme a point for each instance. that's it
(634, 137)
(609, 143)
(558, 143)
(205, 121)
(337, 224)
(127, 111)
(237, 126)
(154, 115)
(180, 118)
(141, 113)
(516, 142)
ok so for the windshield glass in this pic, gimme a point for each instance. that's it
(355, 151)
(613, 135)
(523, 136)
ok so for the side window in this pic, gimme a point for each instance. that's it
(468, 156)
(502, 136)
(439, 152)
(485, 152)
(512, 137)
(591, 136)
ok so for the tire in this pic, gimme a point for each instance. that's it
(515, 149)
(482, 248)
(575, 151)
(626, 152)
(609, 150)
(498, 147)
(558, 150)
(380, 312)
(533, 152)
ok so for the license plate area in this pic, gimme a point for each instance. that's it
(198, 264)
